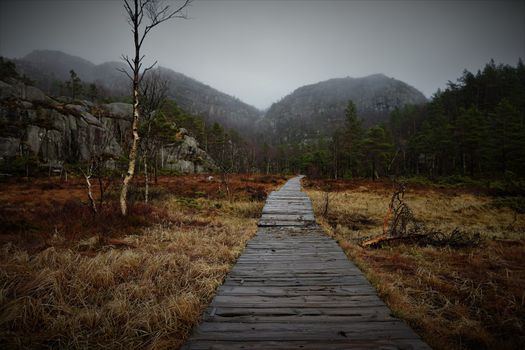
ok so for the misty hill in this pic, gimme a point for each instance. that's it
(318, 109)
(46, 67)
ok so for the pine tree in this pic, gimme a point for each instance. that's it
(378, 149)
(74, 85)
(354, 139)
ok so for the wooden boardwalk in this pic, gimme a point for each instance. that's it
(294, 288)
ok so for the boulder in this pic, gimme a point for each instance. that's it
(119, 110)
(9, 147)
(34, 137)
(187, 157)
(6, 90)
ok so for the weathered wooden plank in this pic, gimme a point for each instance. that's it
(232, 311)
(297, 290)
(291, 282)
(296, 301)
(303, 331)
(336, 344)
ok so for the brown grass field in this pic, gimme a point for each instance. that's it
(455, 298)
(69, 279)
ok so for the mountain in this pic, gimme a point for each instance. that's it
(45, 67)
(318, 109)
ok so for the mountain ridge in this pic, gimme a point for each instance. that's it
(193, 96)
(313, 105)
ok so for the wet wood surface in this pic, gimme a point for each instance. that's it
(294, 288)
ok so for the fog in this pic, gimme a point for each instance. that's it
(259, 51)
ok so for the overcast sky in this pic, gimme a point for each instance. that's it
(259, 51)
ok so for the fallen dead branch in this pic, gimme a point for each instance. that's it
(400, 225)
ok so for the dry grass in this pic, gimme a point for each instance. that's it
(139, 290)
(455, 298)
(360, 212)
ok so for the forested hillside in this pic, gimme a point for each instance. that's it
(475, 127)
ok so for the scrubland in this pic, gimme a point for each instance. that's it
(72, 279)
(455, 297)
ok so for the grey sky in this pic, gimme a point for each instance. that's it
(259, 51)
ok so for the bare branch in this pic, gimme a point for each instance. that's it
(122, 70)
(128, 9)
(146, 70)
(128, 61)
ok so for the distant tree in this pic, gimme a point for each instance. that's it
(354, 138)
(93, 92)
(378, 150)
(508, 138)
(74, 85)
(7, 69)
(153, 94)
(143, 16)
(95, 166)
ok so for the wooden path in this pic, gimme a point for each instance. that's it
(294, 288)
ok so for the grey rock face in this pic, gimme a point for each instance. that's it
(186, 157)
(34, 137)
(9, 147)
(119, 109)
(57, 133)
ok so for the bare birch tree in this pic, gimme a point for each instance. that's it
(143, 16)
(95, 166)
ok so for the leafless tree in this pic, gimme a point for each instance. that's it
(143, 16)
(153, 94)
(95, 166)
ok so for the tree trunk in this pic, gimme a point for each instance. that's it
(156, 169)
(132, 152)
(102, 190)
(146, 180)
(226, 184)
(136, 116)
(92, 202)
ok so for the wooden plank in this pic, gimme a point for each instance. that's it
(296, 301)
(335, 344)
(297, 290)
(233, 311)
(303, 331)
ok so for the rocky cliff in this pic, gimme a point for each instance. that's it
(57, 131)
(318, 109)
(45, 67)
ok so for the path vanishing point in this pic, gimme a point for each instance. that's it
(294, 288)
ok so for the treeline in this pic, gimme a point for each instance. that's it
(475, 127)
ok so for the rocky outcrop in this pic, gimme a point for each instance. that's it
(185, 156)
(54, 132)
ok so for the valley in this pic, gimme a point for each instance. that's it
(192, 174)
